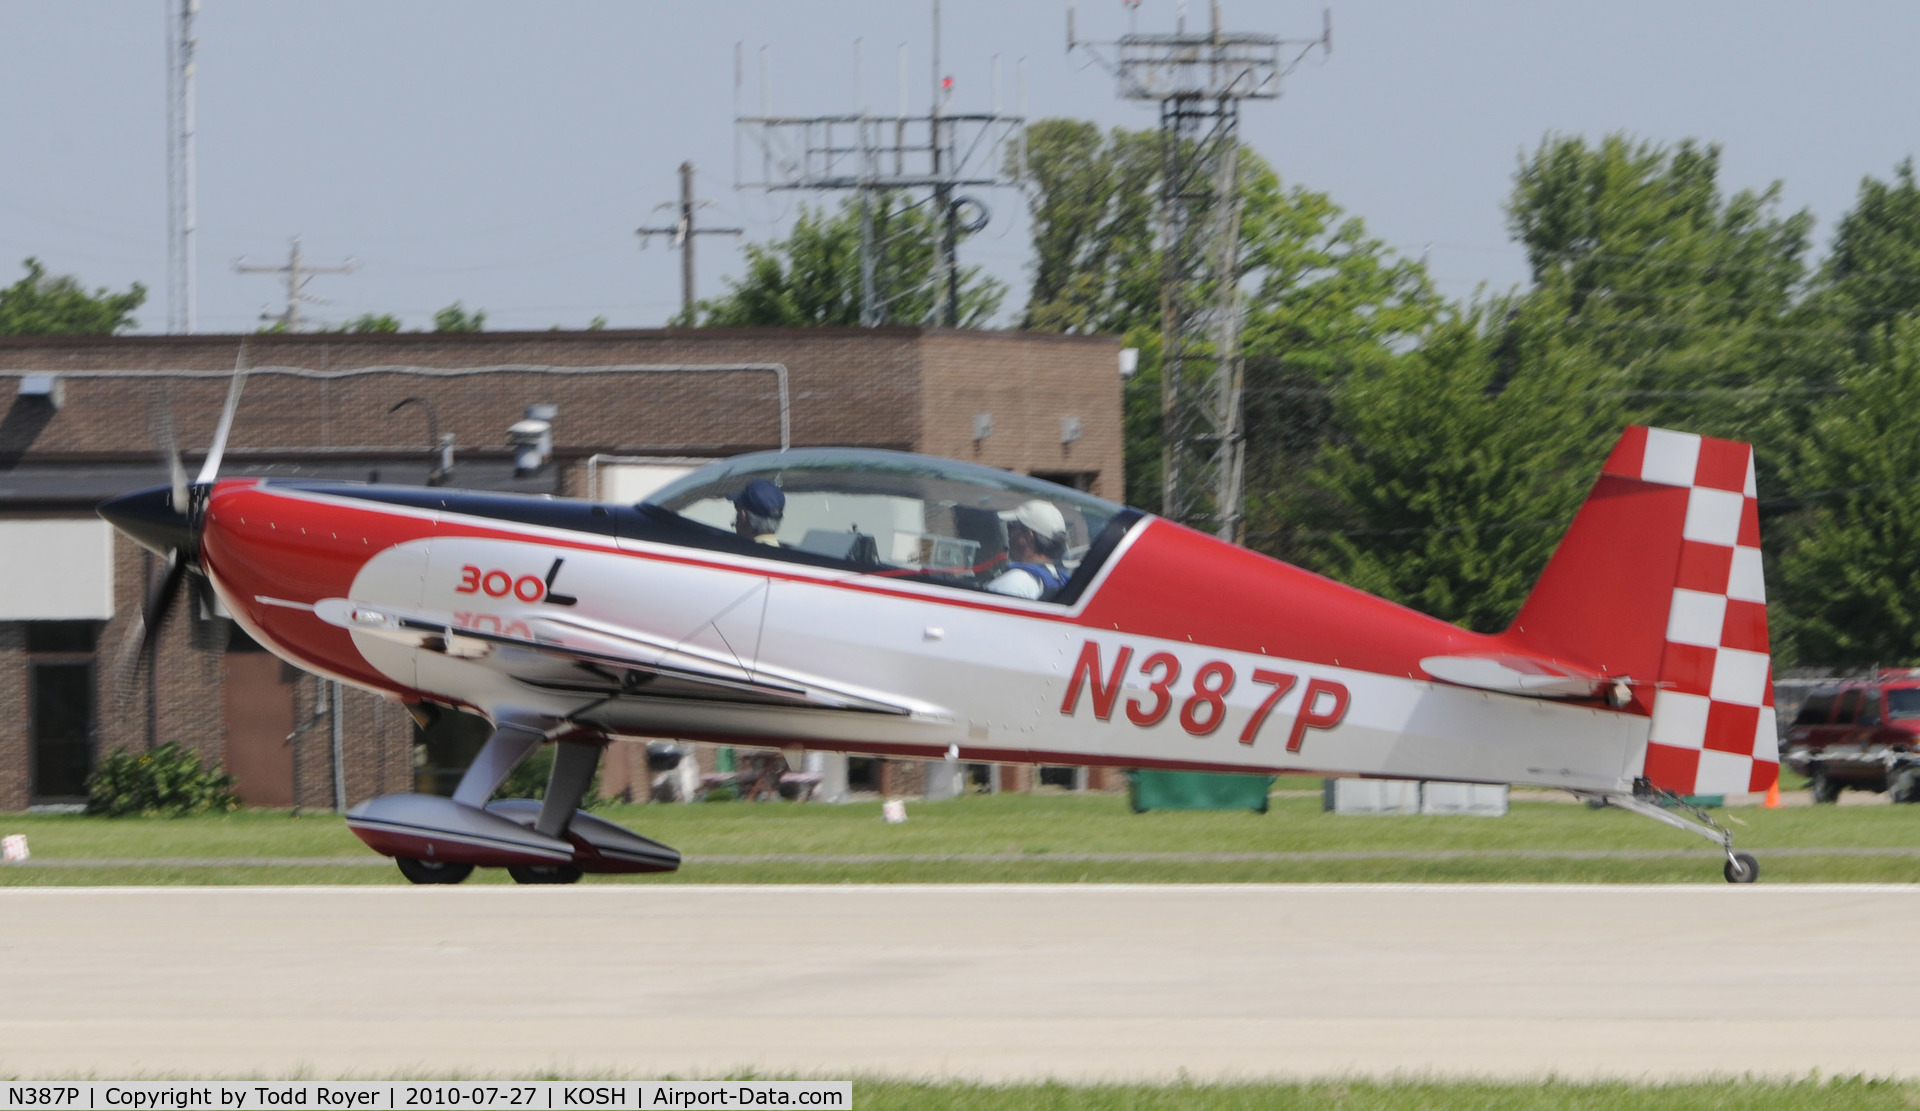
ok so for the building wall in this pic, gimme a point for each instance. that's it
(1028, 384)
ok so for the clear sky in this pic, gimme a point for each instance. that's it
(501, 154)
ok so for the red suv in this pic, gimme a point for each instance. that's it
(1860, 733)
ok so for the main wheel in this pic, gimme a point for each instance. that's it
(1741, 868)
(544, 873)
(1822, 786)
(432, 871)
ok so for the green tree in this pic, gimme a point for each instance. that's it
(1679, 289)
(455, 318)
(1871, 277)
(1657, 298)
(38, 305)
(1460, 465)
(1322, 298)
(373, 322)
(812, 277)
(1093, 200)
(1850, 578)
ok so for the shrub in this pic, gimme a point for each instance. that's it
(168, 781)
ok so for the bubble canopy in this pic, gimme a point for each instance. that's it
(900, 515)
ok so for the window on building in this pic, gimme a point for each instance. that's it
(61, 706)
(62, 695)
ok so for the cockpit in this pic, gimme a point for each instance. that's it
(909, 517)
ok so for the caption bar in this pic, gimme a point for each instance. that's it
(386, 1095)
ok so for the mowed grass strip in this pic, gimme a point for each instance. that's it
(1033, 838)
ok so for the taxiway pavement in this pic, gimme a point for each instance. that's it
(988, 982)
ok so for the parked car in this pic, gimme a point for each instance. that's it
(1860, 734)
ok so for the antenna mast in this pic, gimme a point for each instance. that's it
(941, 152)
(1199, 78)
(180, 170)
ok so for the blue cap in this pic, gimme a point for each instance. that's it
(762, 499)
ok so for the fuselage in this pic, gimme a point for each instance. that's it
(1175, 650)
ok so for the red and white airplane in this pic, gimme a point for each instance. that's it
(868, 614)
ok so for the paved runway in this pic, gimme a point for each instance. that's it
(1004, 982)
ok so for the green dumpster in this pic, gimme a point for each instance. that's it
(1158, 790)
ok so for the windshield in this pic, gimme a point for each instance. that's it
(1903, 704)
(907, 516)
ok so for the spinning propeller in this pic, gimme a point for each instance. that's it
(166, 521)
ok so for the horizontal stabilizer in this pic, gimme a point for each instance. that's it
(1522, 675)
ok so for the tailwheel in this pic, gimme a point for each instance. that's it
(544, 873)
(1741, 868)
(432, 871)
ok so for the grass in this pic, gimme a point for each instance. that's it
(1027, 838)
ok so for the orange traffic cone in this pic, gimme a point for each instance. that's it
(1773, 795)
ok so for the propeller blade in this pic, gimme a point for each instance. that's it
(170, 450)
(160, 601)
(211, 469)
(145, 630)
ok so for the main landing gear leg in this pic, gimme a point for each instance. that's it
(1741, 867)
(573, 765)
(510, 743)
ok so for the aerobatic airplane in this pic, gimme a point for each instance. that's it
(884, 603)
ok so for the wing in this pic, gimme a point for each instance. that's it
(590, 658)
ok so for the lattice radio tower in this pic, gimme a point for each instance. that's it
(941, 152)
(1199, 79)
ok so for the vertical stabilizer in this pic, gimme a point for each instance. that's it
(1660, 577)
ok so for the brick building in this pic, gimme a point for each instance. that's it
(629, 410)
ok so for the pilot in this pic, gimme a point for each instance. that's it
(1036, 542)
(758, 508)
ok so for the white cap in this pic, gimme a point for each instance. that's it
(1042, 517)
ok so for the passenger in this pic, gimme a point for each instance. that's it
(758, 508)
(1036, 542)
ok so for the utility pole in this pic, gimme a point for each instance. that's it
(681, 235)
(298, 274)
(1199, 79)
(941, 152)
(180, 170)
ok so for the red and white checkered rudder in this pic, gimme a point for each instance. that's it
(1713, 719)
(1658, 583)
